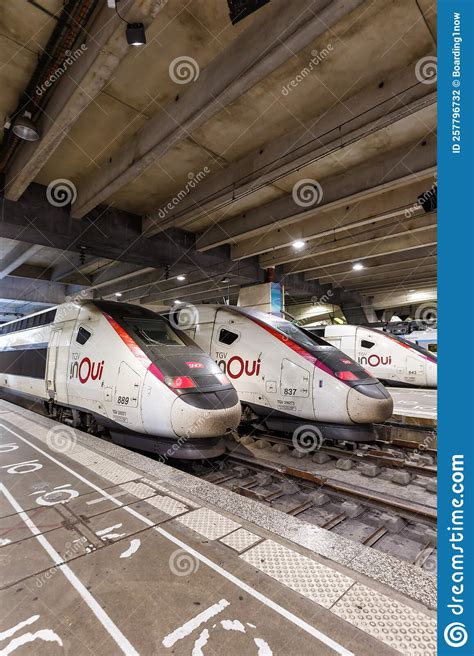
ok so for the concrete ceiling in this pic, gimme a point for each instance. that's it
(202, 178)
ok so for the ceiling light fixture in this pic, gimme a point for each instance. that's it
(177, 302)
(25, 128)
(135, 32)
(118, 294)
(358, 266)
(298, 244)
(181, 277)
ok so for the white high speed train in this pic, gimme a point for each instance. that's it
(392, 359)
(285, 376)
(124, 368)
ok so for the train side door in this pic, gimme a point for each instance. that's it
(52, 361)
(295, 387)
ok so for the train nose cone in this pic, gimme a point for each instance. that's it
(431, 374)
(192, 417)
(369, 403)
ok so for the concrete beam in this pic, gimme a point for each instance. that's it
(32, 272)
(145, 281)
(104, 49)
(254, 55)
(107, 233)
(394, 169)
(209, 296)
(400, 298)
(326, 273)
(354, 281)
(346, 214)
(17, 256)
(330, 244)
(370, 110)
(33, 291)
(373, 272)
(420, 281)
(359, 235)
(202, 292)
(391, 244)
(63, 272)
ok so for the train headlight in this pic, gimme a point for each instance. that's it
(180, 382)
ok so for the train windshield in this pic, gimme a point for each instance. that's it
(154, 332)
(340, 364)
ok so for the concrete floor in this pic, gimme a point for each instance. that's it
(420, 403)
(97, 559)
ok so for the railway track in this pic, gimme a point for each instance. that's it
(402, 526)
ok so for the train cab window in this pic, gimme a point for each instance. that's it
(228, 337)
(366, 344)
(83, 335)
(156, 332)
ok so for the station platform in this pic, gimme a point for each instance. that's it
(415, 403)
(106, 551)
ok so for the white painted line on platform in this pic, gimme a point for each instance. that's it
(188, 627)
(112, 629)
(294, 619)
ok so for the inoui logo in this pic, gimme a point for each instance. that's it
(237, 366)
(86, 370)
(375, 360)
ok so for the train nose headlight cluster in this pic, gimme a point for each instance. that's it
(180, 382)
(346, 375)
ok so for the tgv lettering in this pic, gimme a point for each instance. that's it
(86, 370)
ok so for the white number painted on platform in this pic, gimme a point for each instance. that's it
(11, 446)
(26, 467)
(47, 635)
(59, 494)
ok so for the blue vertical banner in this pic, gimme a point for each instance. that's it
(455, 318)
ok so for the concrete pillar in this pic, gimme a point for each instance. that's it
(266, 297)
